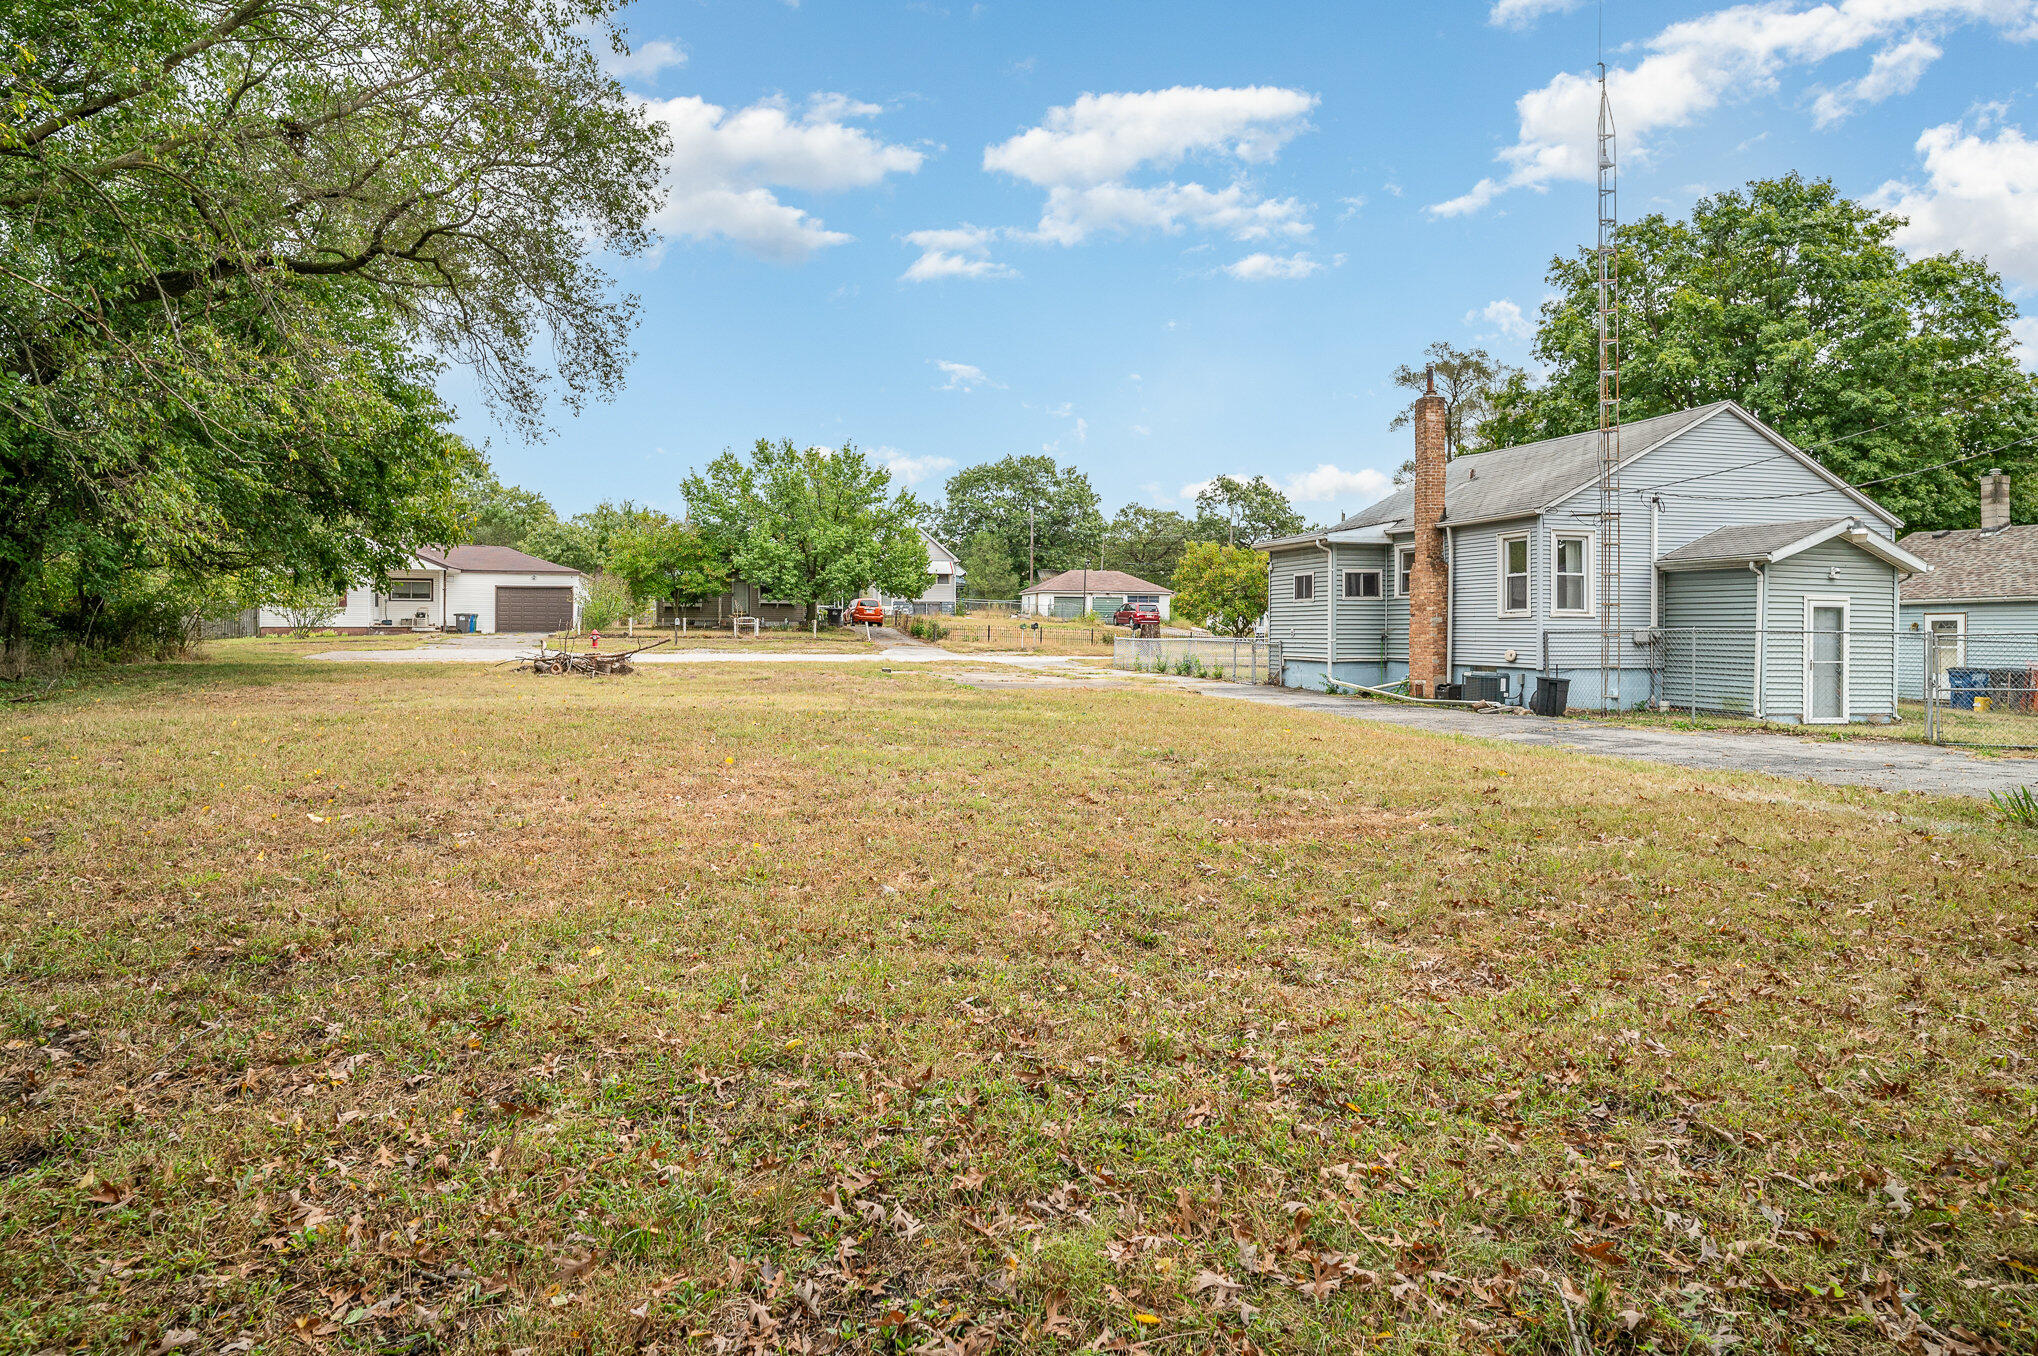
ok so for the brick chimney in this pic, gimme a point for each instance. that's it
(1995, 499)
(1427, 593)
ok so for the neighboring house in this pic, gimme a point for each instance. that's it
(1750, 578)
(504, 589)
(1984, 582)
(944, 580)
(744, 599)
(1074, 592)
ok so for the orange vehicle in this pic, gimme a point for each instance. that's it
(866, 610)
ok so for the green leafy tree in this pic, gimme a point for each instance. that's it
(1236, 511)
(1469, 380)
(1066, 523)
(1146, 541)
(809, 524)
(563, 543)
(987, 568)
(1793, 301)
(495, 514)
(1221, 587)
(229, 231)
(667, 559)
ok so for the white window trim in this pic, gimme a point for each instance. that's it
(1295, 595)
(1591, 567)
(1345, 579)
(431, 591)
(1500, 576)
(1846, 606)
(1399, 552)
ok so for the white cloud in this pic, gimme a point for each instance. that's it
(912, 470)
(1522, 13)
(963, 376)
(1353, 206)
(2025, 330)
(1980, 195)
(955, 252)
(645, 63)
(1067, 410)
(1086, 154)
(1692, 65)
(1321, 485)
(1262, 267)
(726, 169)
(1141, 431)
(1504, 316)
(1895, 70)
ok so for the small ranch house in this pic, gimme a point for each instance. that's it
(1979, 605)
(1749, 579)
(1075, 592)
(500, 588)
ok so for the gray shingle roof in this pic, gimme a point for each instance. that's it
(1100, 581)
(1748, 541)
(1520, 480)
(492, 559)
(1969, 563)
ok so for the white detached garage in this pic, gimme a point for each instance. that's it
(501, 588)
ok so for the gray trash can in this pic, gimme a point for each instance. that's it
(1552, 696)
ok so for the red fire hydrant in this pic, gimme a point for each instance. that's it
(593, 640)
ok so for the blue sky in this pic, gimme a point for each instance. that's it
(1168, 241)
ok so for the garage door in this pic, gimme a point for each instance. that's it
(533, 609)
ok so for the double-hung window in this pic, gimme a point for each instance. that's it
(1514, 575)
(1404, 570)
(1305, 587)
(1570, 574)
(410, 590)
(1362, 583)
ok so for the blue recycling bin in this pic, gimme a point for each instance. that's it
(1965, 686)
(468, 622)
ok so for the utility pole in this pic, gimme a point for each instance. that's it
(1032, 573)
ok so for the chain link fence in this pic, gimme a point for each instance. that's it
(1977, 688)
(1236, 661)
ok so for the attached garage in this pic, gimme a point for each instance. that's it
(533, 608)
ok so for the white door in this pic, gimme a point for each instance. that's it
(1948, 647)
(1825, 660)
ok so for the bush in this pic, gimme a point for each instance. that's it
(608, 602)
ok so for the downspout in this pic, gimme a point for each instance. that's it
(1450, 601)
(1330, 625)
(1761, 630)
(1655, 553)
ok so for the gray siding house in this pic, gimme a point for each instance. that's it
(1979, 605)
(1751, 579)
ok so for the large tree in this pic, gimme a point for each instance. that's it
(1237, 511)
(987, 571)
(1065, 521)
(1794, 301)
(495, 514)
(1146, 541)
(228, 231)
(1221, 587)
(1469, 380)
(660, 558)
(809, 524)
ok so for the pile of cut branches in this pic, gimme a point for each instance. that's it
(593, 664)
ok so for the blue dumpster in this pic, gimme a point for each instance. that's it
(1966, 685)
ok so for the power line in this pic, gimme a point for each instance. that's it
(1879, 480)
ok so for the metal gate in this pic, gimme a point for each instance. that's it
(1972, 687)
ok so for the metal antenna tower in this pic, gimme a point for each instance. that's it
(1609, 413)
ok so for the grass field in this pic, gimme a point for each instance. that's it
(981, 633)
(367, 1008)
(827, 638)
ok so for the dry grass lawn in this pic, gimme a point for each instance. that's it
(397, 1009)
(981, 633)
(827, 638)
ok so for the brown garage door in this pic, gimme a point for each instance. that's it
(533, 609)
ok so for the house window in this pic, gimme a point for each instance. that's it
(1514, 576)
(1362, 583)
(1404, 570)
(1305, 587)
(1570, 584)
(1144, 599)
(410, 590)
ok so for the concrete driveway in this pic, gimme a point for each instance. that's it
(1887, 764)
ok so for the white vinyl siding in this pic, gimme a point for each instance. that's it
(1404, 570)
